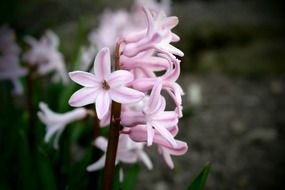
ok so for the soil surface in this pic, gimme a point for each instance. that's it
(237, 125)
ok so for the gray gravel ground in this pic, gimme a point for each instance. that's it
(237, 126)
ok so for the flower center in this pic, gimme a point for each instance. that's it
(105, 85)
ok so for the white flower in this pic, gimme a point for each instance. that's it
(103, 86)
(45, 55)
(10, 68)
(56, 122)
(128, 152)
(112, 25)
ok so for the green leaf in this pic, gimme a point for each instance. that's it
(27, 173)
(78, 175)
(46, 174)
(199, 182)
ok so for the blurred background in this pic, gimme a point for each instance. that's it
(233, 74)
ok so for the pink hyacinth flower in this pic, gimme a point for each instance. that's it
(139, 134)
(154, 117)
(158, 36)
(104, 86)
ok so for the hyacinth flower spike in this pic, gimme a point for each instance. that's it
(56, 122)
(103, 86)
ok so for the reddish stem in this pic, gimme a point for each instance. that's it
(114, 133)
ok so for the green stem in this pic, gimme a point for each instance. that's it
(30, 89)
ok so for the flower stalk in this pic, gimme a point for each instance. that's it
(31, 111)
(114, 133)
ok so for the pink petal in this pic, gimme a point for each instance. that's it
(101, 143)
(105, 121)
(146, 61)
(155, 95)
(125, 95)
(173, 130)
(127, 157)
(146, 72)
(167, 158)
(150, 135)
(132, 118)
(170, 22)
(139, 134)
(150, 21)
(134, 37)
(180, 149)
(145, 159)
(83, 97)
(143, 84)
(172, 74)
(103, 102)
(171, 49)
(159, 107)
(145, 44)
(97, 165)
(166, 118)
(102, 64)
(84, 78)
(174, 37)
(157, 63)
(51, 131)
(164, 133)
(119, 77)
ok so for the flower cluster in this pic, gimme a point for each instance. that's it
(115, 24)
(148, 66)
(10, 68)
(45, 56)
(137, 86)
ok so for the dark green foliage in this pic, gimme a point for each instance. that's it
(199, 182)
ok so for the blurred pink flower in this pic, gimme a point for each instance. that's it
(104, 86)
(117, 24)
(154, 5)
(45, 55)
(56, 122)
(87, 57)
(128, 152)
(10, 68)
(113, 24)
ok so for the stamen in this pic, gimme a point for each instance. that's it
(105, 85)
